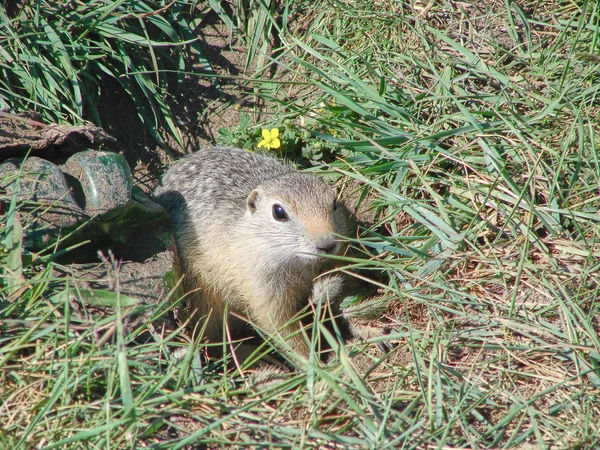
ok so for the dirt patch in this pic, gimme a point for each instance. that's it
(140, 274)
(207, 102)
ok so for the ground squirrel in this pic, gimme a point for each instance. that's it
(252, 233)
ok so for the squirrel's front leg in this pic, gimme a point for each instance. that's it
(327, 289)
(279, 320)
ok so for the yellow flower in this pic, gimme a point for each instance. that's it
(270, 139)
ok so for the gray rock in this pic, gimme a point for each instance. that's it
(105, 180)
(44, 191)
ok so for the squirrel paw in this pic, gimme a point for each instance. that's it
(327, 289)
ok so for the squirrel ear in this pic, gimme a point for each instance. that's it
(251, 200)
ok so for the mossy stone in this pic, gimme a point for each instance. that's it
(105, 179)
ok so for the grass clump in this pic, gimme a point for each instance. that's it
(57, 57)
(469, 133)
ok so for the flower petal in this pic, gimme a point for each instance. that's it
(274, 133)
(275, 143)
(266, 135)
(262, 144)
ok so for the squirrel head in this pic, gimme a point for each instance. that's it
(300, 216)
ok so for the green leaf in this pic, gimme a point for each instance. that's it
(96, 297)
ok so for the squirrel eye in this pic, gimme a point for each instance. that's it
(279, 213)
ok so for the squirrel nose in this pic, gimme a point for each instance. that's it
(327, 245)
